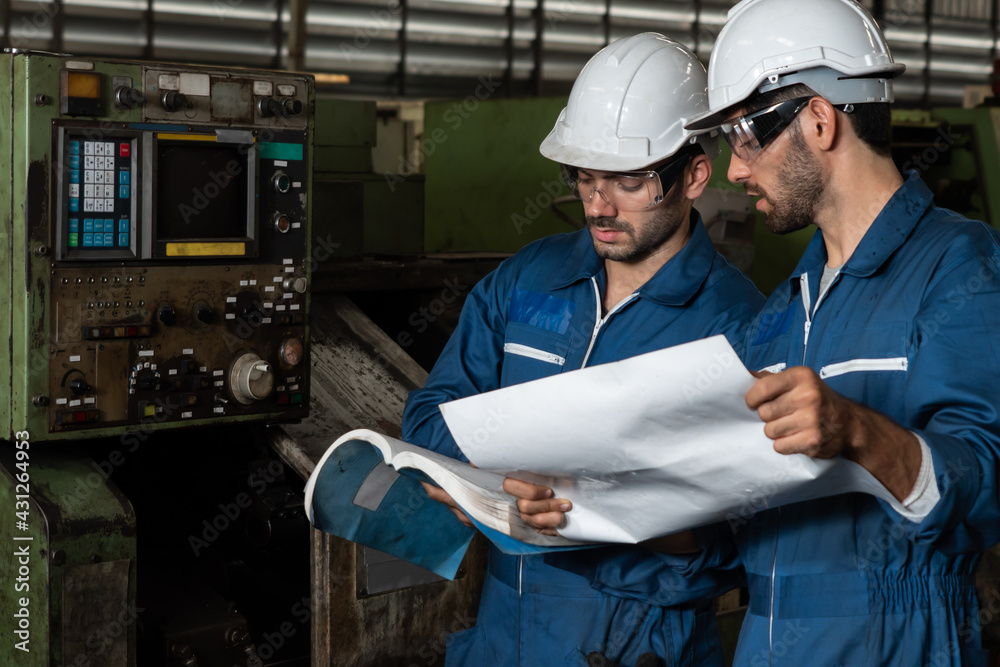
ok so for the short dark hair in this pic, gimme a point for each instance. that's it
(871, 121)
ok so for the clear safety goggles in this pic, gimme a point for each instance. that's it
(747, 135)
(626, 191)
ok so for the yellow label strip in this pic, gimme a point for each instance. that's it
(206, 249)
(186, 137)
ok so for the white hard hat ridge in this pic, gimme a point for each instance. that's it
(833, 46)
(628, 106)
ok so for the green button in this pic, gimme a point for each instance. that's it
(296, 398)
(74, 240)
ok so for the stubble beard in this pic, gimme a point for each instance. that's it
(669, 217)
(799, 187)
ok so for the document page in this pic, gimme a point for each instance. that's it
(647, 446)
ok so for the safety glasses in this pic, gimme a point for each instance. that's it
(626, 191)
(747, 135)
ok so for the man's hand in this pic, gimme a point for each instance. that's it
(537, 506)
(442, 496)
(804, 416)
(801, 413)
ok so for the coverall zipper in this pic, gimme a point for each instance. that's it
(599, 321)
(810, 311)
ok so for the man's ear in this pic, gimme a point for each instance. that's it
(820, 123)
(696, 176)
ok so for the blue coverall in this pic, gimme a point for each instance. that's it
(910, 328)
(537, 315)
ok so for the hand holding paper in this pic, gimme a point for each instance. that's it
(641, 448)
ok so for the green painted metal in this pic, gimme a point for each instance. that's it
(488, 188)
(26, 226)
(25, 220)
(74, 520)
(345, 134)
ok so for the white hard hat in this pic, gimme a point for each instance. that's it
(628, 107)
(833, 46)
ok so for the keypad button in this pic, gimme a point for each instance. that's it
(88, 148)
(123, 226)
(123, 177)
(88, 240)
(88, 224)
(74, 240)
(74, 176)
(109, 240)
(123, 191)
(74, 189)
(74, 148)
(74, 225)
(123, 240)
(74, 161)
(124, 149)
(74, 205)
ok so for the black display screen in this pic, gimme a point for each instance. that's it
(201, 191)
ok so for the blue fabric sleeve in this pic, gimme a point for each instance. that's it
(952, 399)
(469, 365)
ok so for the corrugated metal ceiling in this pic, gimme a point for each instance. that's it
(430, 48)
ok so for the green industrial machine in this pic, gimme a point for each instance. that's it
(155, 236)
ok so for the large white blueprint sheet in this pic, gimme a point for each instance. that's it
(646, 446)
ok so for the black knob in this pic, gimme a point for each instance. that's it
(205, 314)
(174, 101)
(168, 315)
(253, 313)
(268, 107)
(127, 97)
(147, 380)
(78, 386)
(291, 107)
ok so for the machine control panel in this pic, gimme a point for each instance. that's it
(166, 246)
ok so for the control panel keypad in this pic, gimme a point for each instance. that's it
(100, 193)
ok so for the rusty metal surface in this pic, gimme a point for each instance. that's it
(360, 379)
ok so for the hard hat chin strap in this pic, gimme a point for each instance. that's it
(834, 86)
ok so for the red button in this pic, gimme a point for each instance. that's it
(123, 150)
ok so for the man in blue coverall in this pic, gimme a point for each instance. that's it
(641, 277)
(883, 347)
